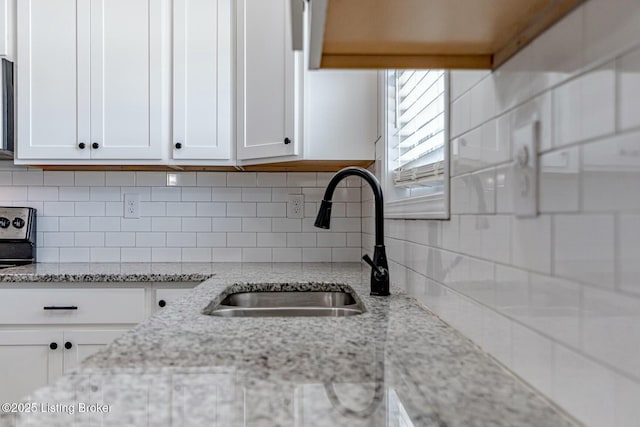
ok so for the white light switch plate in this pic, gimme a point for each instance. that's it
(525, 170)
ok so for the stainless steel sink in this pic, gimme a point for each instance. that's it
(286, 303)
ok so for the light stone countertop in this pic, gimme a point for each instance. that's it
(108, 272)
(395, 365)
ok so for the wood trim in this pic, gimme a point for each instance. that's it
(295, 166)
(307, 166)
(453, 34)
(407, 61)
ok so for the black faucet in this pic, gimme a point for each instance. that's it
(379, 266)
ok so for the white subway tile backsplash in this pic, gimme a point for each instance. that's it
(153, 239)
(105, 255)
(196, 224)
(151, 179)
(42, 193)
(584, 248)
(628, 74)
(181, 209)
(226, 194)
(196, 194)
(89, 239)
(628, 250)
(287, 255)
(532, 357)
(316, 254)
(271, 179)
(241, 240)
(105, 194)
(28, 178)
(165, 254)
(105, 224)
(272, 240)
(137, 255)
(71, 223)
(211, 179)
(120, 179)
(226, 254)
(560, 181)
(256, 224)
(89, 209)
(211, 240)
(213, 209)
(583, 388)
(166, 194)
(120, 239)
(59, 178)
(272, 210)
(89, 179)
(531, 243)
(247, 179)
(226, 224)
(196, 254)
(256, 255)
(181, 240)
(74, 255)
(256, 194)
(242, 210)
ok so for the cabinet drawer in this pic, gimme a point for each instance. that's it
(71, 306)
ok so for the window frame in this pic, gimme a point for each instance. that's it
(431, 206)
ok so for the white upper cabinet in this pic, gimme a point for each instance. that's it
(90, 79)
(126, 79)
(53, 79)
(341, 115)
(268, 81)
(202, 83)
(7, 29)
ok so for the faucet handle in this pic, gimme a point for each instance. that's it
(379, 271)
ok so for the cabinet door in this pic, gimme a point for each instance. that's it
(268, 80)
(202, 79)
(127, 78)
(341, 115)
(53, 79)
(84, 343)
(7, 27)
(27, 362)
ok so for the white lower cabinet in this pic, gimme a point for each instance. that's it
(47, 332)
(28, 359)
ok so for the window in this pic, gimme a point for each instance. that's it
(417, 162)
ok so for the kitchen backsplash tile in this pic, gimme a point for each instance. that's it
(556, 298)
(192, 216)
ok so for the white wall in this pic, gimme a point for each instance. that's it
(556, 299)
(208, 216)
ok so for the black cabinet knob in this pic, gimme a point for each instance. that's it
(95, 145)
(287, 141)
(162, 303)
(68, 345)
(53, 346)
(82, 145)
(178, 145)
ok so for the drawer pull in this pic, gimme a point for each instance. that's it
(68, 345)
(63, 307)
(162, 303)
(53, 346)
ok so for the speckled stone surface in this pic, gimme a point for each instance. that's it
(395, 365)
(116, 272)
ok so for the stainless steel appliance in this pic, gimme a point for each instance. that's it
(17, 236)
(6, 110)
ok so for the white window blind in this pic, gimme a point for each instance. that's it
(418, 135)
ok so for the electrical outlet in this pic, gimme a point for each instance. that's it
(132, 205)
(295, 206)
(525, 170)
